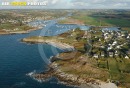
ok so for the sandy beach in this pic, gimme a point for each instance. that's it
(54, 43)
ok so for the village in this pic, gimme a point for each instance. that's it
(107, 43)
(91, 52)
(18, 22)
(105, 50)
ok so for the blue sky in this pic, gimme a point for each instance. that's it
(76, 4)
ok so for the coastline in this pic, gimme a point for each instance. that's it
(18, 32)
(52, 42)
(63, 77)
(70, 79)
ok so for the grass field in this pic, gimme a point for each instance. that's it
(101, 18)
(118, 22)
(10, 27)
(118, 69)
(113, 69)
(96, 21)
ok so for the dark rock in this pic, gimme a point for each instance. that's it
(54, 58)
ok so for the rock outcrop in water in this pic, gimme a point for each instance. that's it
(65, 78)
(64, 65)
(70, 79)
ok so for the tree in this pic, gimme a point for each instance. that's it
(20, 22)
(78, 38)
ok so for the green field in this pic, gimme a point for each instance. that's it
(9, 26)
(90, 20)
(101, 18)
(96, 21)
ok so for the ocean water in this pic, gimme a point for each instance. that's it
(55, 28)
(17, 59)
(111, 29)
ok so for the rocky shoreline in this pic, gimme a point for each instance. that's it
(65, 78)
(70, 79)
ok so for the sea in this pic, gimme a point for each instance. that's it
(17, 59)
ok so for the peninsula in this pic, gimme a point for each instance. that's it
(95, 58)
(17, 21)
(98, 57)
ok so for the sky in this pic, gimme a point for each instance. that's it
(74, 4)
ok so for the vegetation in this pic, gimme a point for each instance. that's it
(16, 21)
(116, 18)
(94, 57)
(82, 62)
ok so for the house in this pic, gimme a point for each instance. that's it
(99, 40)
(96, 56)
(126, 57)
(102, 54)
(118, 47)
(116, 53)
(115, 42)
(109, 44)
(111, 54)
(128, 37)
(102, 46)
(106, 37)
(123, 35)
(109, 48)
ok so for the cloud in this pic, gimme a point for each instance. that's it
(120, 4)
(102, 4)
(54, 1)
